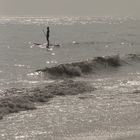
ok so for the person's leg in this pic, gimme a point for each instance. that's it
(48, 43)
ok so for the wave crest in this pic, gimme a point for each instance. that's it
(83, 67)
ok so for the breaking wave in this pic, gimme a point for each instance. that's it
(15, 100)
(89, 66)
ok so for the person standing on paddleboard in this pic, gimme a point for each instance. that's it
(47, 37)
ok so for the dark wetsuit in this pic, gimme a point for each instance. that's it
(47, 37)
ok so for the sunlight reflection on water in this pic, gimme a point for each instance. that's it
(102, 114)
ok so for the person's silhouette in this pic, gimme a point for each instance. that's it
(47, 37)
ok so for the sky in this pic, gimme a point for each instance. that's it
(70, 7)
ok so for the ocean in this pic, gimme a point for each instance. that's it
(101, 51)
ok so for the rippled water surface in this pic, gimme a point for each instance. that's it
(80, 38)
(111, 111)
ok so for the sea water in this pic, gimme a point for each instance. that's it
(112, 111)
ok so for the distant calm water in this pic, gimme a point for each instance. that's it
(113, 110)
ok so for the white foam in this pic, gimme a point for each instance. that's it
(19, 65)
(53, 54)
(33, 74)
(48, 62)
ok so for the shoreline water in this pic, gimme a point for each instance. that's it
(16, 100)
